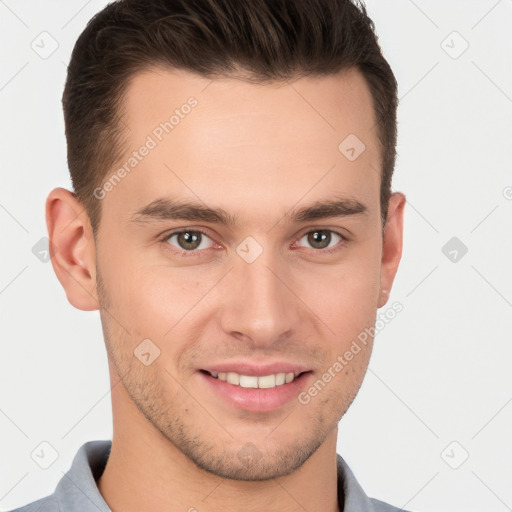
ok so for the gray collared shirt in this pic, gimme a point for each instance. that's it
(77, 490)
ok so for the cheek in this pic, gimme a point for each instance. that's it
(154, 301)
(344, 297)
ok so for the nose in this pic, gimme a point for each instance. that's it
(260, 307)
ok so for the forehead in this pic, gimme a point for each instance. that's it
(326, 105)
(241, 139)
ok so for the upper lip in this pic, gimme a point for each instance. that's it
(257, 370)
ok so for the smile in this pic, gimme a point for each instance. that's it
(252, 381)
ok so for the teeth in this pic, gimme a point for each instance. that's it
(280, 379)
(250, 381)
(267, 381)
(247, 381)
(233, 378)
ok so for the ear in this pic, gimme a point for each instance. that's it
(391, 245)
(72, 248)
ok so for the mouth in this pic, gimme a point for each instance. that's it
(262, 387)
(270, 381)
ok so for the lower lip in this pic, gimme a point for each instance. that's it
(257, 399)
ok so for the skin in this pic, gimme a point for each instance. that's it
(258, 152)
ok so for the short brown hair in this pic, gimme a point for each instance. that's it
(268, 40)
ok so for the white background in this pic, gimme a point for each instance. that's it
(440, 371)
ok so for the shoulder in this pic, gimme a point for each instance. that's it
(354, 497)
(47, 504)
(380, 506)
(77, 489)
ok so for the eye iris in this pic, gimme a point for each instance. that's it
(189, 239)
(319, 237)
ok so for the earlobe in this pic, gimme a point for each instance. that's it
(391, 245)
(72, 248)
(383, 298)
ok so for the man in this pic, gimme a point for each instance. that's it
(232, 219)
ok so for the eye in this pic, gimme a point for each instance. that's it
(188, 240)
(324, 240)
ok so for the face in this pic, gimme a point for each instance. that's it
(242, 242)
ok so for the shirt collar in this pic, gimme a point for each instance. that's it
(78, 485)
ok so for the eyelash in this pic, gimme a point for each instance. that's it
(194, 253)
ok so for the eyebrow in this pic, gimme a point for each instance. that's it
(169, 209)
